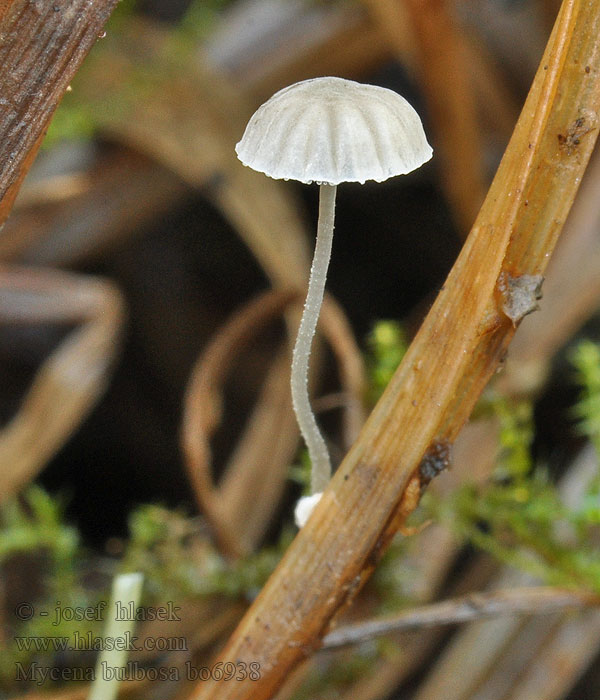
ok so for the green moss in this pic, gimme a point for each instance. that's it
(178, 561)
(340, 671)
(585, 358)
(519, 517)
(72, 121)
(36, 523)
(198, 20)
(393, 578)
(33, 526)
(170, 548)
(386, 346)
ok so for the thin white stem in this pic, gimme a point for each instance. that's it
(317, 449)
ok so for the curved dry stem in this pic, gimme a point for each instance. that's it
(202, 414)
(72, 378)
(351, 368)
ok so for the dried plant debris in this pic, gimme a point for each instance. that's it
(520, 295)
(586, 122)
(436, 459)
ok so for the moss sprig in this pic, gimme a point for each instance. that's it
(519, 517)
(585, 358)
(387, 344)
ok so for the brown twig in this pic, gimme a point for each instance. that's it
(520, 601)
(41, 48)
(568, 300)
(571, 292)
(458, 348)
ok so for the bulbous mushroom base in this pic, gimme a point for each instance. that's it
(305, 507)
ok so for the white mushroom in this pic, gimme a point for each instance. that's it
(329, 130)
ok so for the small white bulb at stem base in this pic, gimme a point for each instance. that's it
(305, 507)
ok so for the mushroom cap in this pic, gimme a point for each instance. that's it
(331, 130)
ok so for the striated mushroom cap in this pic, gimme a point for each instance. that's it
(331, 130)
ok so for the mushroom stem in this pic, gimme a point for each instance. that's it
(317, 449)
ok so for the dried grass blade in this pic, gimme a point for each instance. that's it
(126, 192)
(445, 76)
(334, 325)
(70, 381)
(518, 601)
(41, 48)
(203, 409)
(571, 291)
